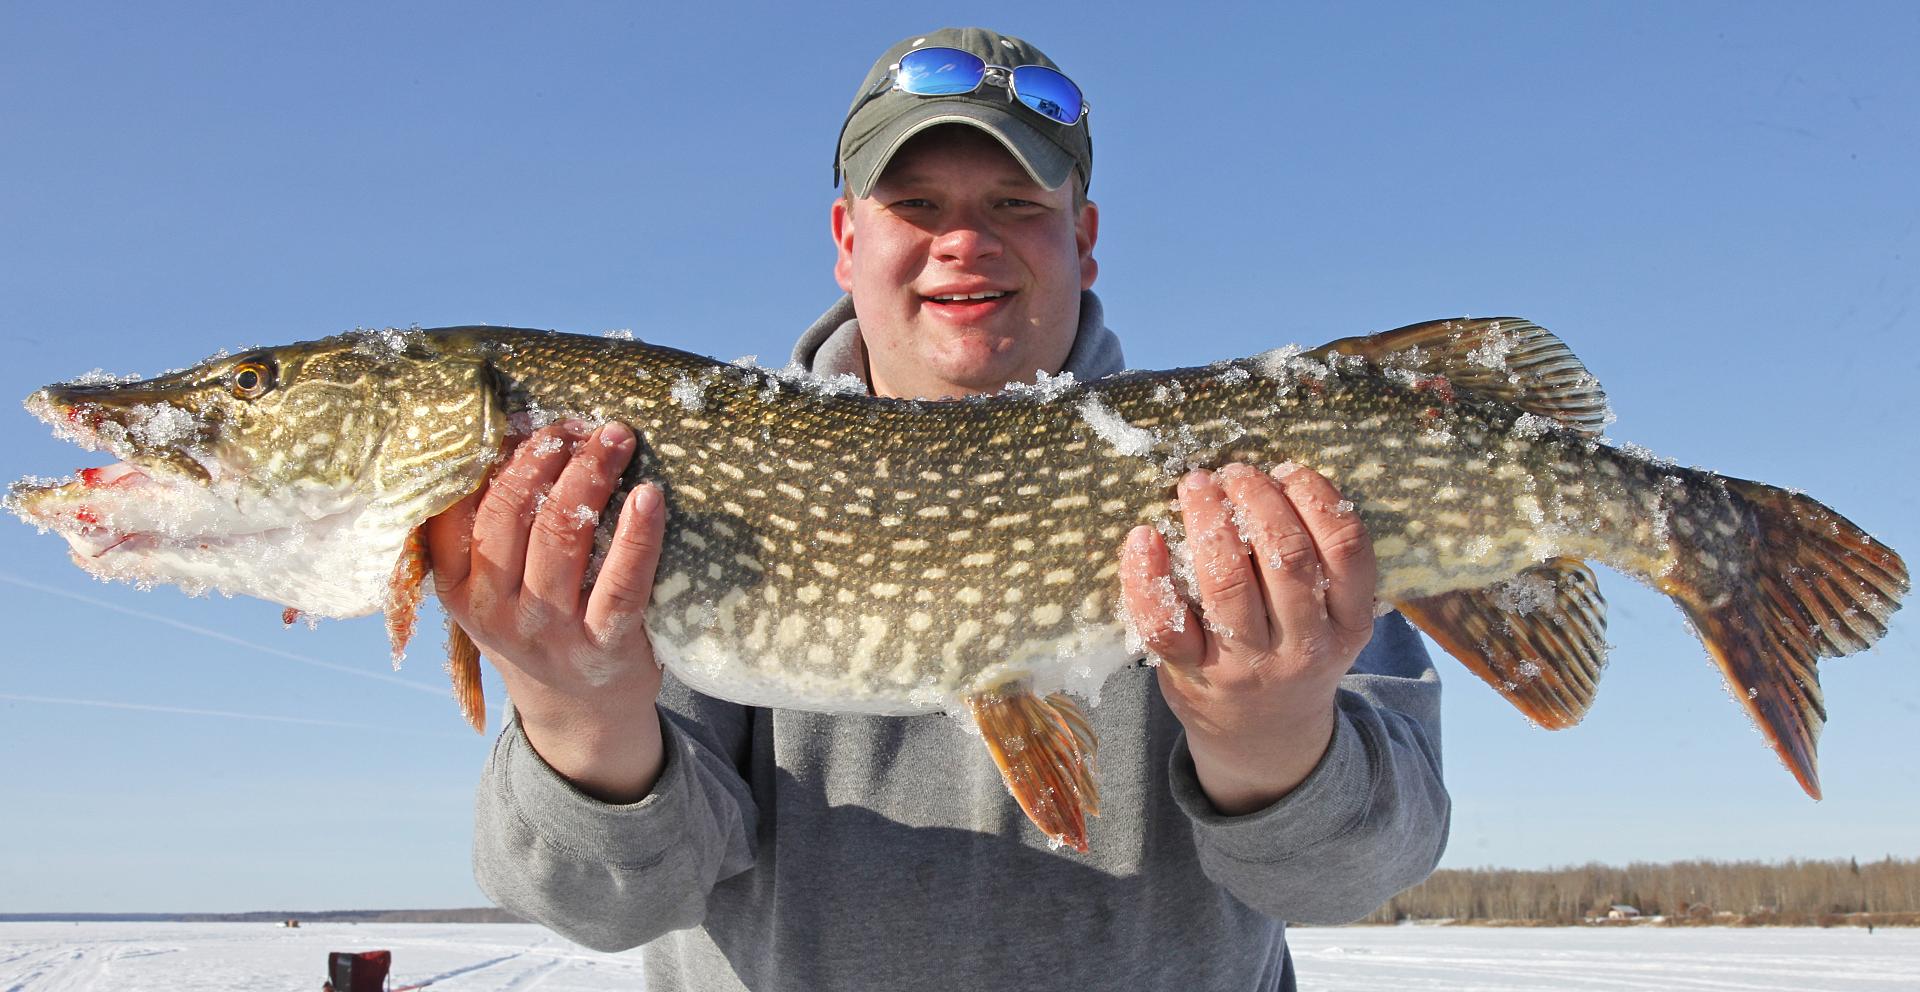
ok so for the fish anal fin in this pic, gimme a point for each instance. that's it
(405, 588)
(1503, 358)
(1816, 586)
(1539, 639)
(463, 667)
(1044, 749)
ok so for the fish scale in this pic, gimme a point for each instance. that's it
(830, 550)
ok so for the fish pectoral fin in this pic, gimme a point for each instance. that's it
(1503, 358)
(1044, 749)
(1540, 639)
(405, 588)
(463, 667)
(404, 592)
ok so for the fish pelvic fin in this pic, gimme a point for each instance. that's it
(1504, 358)
(463, 667)
(1539, 639)
(1044, 749)
(1819, 586)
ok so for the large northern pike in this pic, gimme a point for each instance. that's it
(832, 551)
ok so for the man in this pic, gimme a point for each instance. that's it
(1269, 770)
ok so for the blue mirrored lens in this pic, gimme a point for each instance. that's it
(1049, 93)
(940, 71)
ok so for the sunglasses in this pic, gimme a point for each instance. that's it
(947, 71)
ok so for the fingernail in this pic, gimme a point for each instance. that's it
(576, 428)
(616, 435)
(645, 498)
(1140, 538)
(1196, 479)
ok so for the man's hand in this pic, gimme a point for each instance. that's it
(508, 563)
(1286, 585)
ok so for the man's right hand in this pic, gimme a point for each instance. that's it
(508, 563)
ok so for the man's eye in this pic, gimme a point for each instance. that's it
(912, 203)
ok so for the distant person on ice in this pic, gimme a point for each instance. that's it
(1282, 765)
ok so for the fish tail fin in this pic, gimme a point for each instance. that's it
(1815, 586)
(463, 667)
(1044, 749)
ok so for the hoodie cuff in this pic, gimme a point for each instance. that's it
(1332, 798)
(623, 835)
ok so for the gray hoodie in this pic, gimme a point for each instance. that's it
(790, 850)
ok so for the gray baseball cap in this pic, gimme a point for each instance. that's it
(881, 119)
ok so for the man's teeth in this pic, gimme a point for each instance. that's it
(957, 297)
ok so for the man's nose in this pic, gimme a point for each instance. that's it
(966, 241)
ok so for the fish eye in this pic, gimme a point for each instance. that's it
(252, 379)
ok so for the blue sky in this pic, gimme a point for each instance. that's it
(1712, 203)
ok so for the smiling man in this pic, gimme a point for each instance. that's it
(1281, 764)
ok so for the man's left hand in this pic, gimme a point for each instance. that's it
(1285, 578)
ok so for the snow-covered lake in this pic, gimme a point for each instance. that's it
(45, 957)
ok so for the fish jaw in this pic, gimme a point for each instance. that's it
(324, 553)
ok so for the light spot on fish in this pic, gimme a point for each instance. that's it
(885, 590)
(968, 595)
(1058, 576)
(673, 585)
(978, 559)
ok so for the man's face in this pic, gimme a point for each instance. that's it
(953, 216)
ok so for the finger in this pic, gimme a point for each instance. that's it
(1283, 551)
(625, 584)
(1346, 551)
(1158, 615)
(450, 543)
(561, 543)
(503, 519)
(1233, 605)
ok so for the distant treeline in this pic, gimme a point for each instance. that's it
(1725, 892)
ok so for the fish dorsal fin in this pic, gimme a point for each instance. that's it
(1044, 749)
(1540, 638)
(1504, 358)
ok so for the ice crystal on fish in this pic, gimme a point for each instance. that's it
(1114, 429)
(689, 393)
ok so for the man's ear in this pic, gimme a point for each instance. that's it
(1086, 230)
(843, 243)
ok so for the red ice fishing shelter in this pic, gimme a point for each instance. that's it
(365, 971)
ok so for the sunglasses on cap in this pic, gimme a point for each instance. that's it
(949, 71)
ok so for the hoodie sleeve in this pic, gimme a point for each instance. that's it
(616, 876)
(1368, 822)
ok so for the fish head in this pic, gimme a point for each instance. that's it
(294, 474)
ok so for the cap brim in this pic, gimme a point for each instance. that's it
(1049, 164)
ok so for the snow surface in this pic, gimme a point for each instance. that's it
(56, 957)
(1576, 959)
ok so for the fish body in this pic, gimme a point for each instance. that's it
(834, 551)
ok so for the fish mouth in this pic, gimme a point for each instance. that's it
(149, 435)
